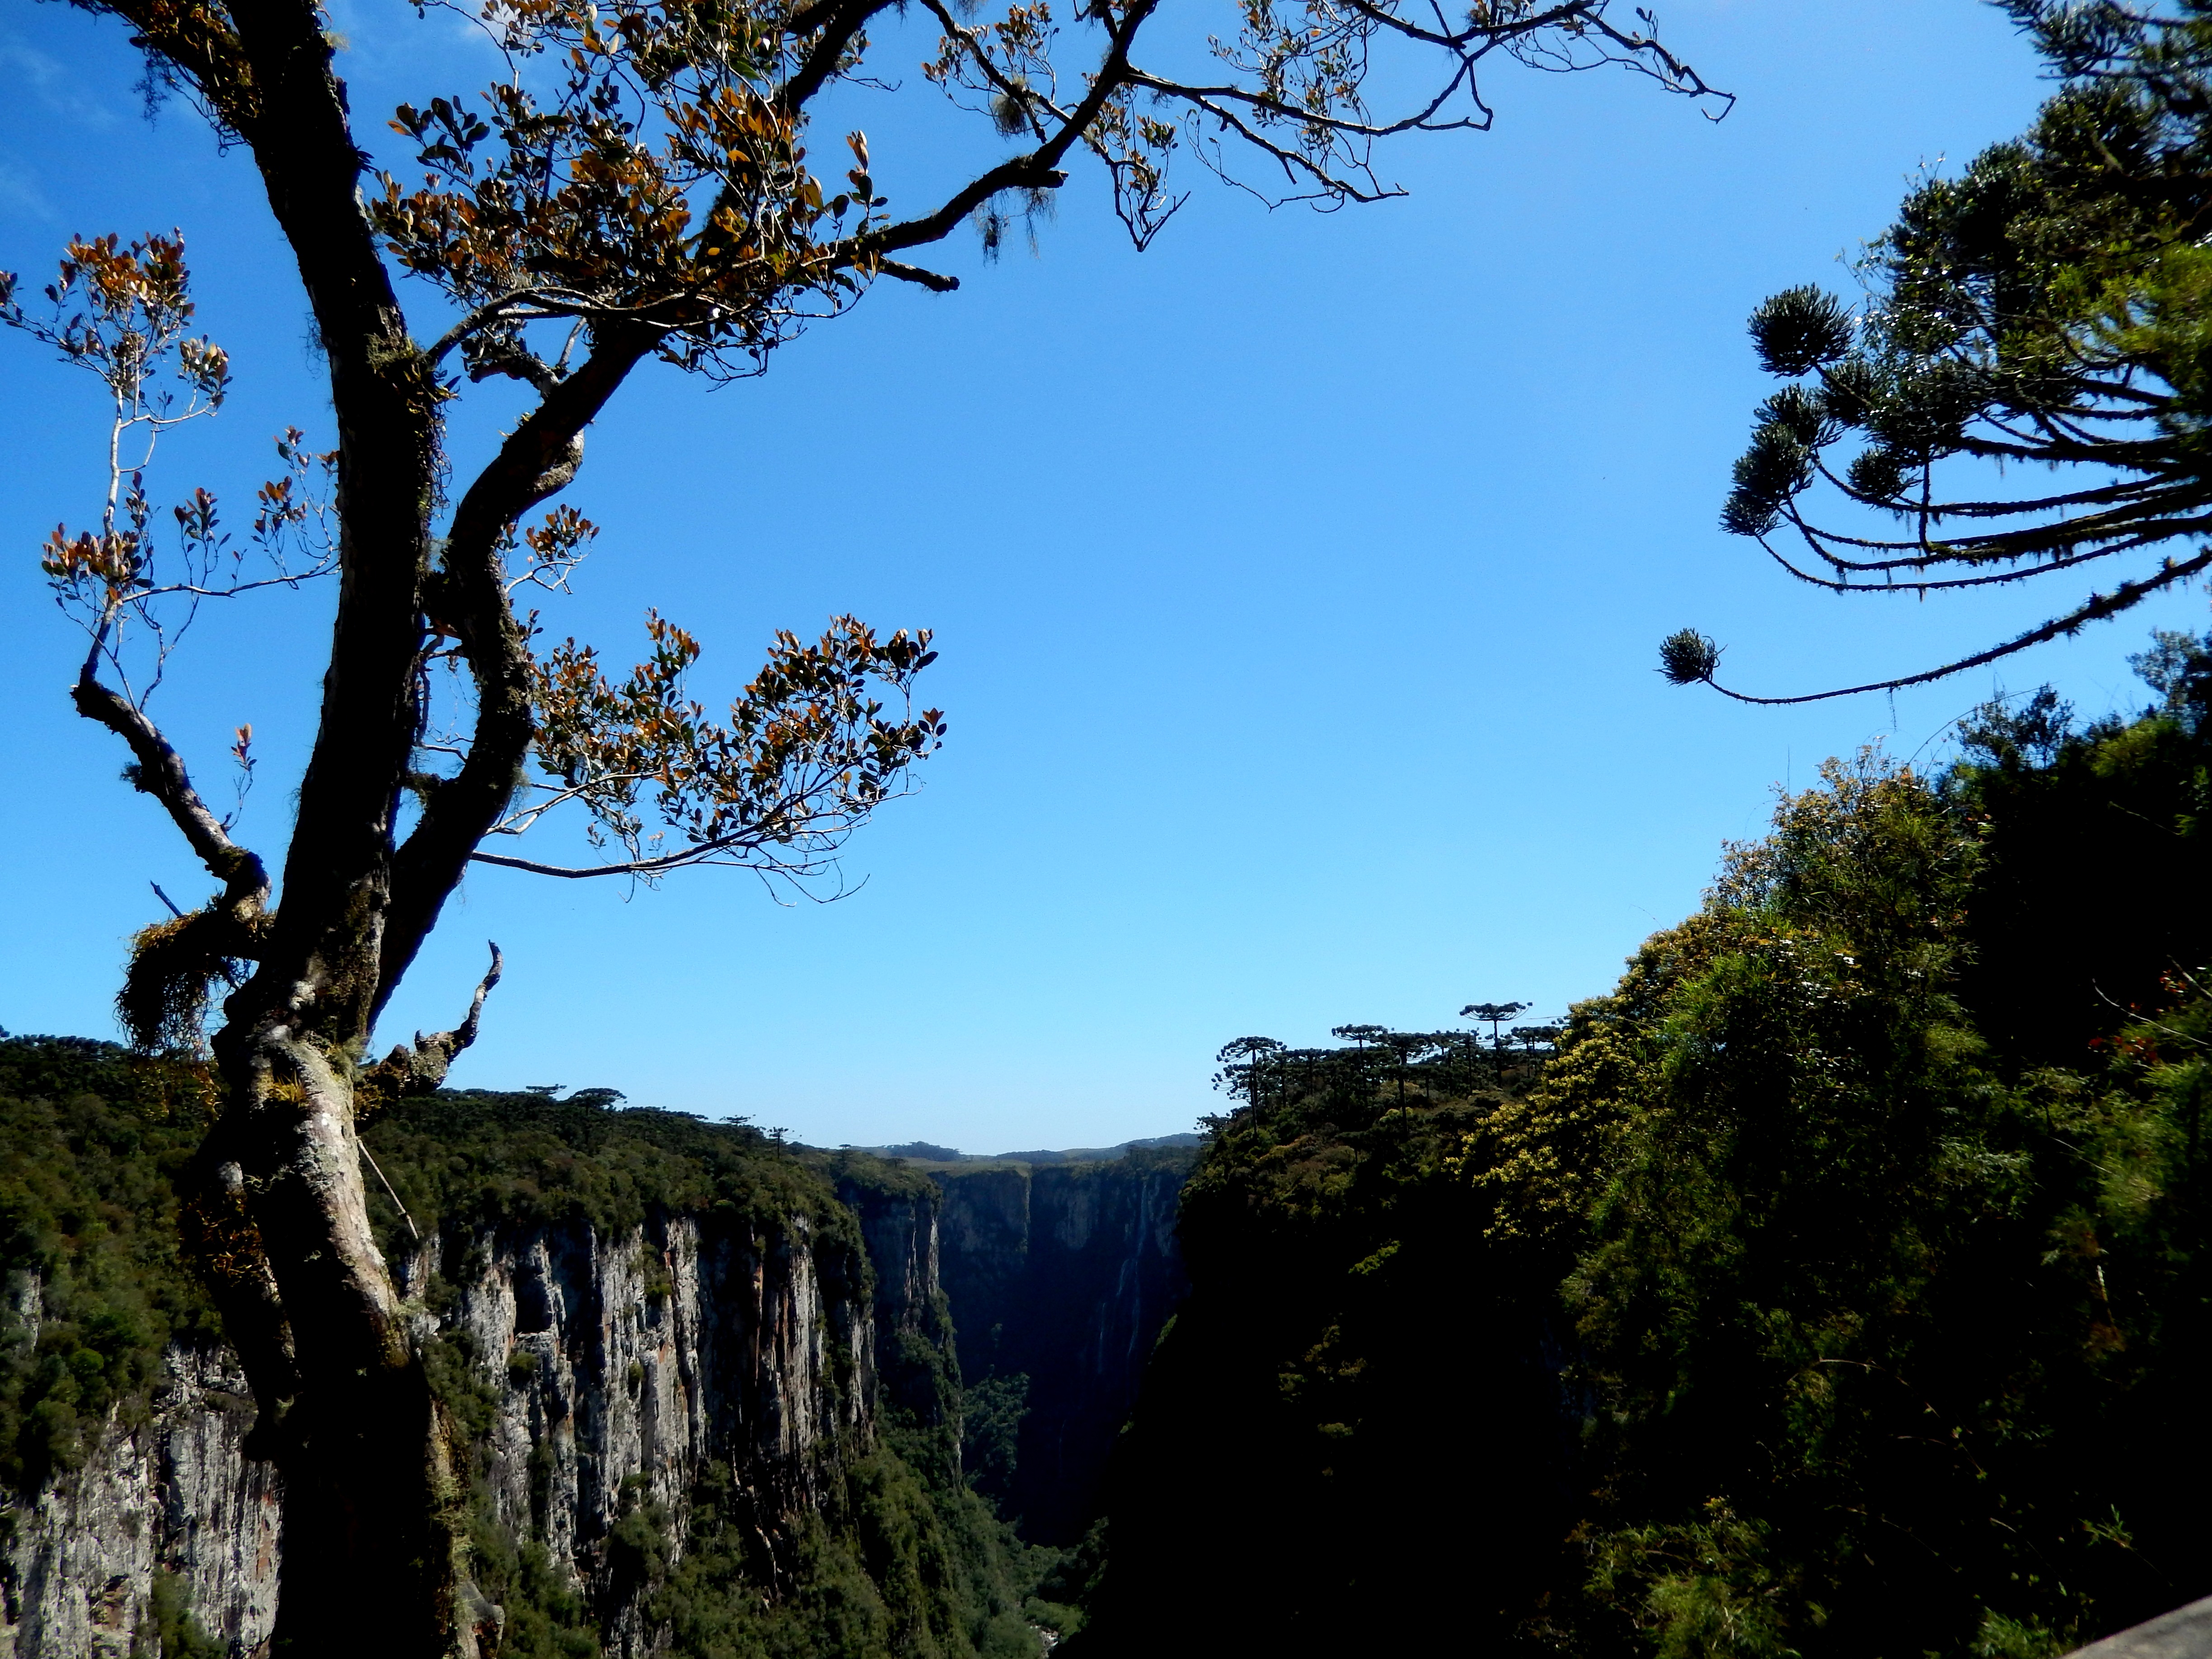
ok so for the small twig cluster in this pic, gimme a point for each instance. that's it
(122, 314)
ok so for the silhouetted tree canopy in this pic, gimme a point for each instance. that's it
(2024, 386)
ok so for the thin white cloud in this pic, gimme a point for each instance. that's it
(44, 79)
(21, 197)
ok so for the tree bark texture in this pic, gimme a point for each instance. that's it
(373, 1525)
(374, 1555)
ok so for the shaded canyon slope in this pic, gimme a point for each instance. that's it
(1355, 1437)
(1060, 1277)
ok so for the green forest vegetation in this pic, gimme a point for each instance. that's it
(1836, 1285)
(1840, 1288)
(902, 1559)
(90, 1145)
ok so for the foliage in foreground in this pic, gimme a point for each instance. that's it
(1855, 1244)
(1345, 1429)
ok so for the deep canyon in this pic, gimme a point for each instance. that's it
(609, 1367)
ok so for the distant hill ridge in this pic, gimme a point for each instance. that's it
(923, 1152)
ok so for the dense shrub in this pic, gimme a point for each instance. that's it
(95, 1287)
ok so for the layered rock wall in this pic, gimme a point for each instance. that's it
(173, 1494)
(612, 1367)
(621, 1364)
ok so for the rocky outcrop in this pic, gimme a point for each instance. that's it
(618, 1365)
(601, 1370)
(2184, 1633)
(1064, 1273)
(914, 1347)
(171, 1497)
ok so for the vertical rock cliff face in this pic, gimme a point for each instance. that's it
(172, 1496)
(1065, 1274)
(601, 1372)
(913, 1349)
(618, 1365)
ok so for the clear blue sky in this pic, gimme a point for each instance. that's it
(1298, 584)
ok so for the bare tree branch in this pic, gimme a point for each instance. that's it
(419, 1068)
(158, 771)
(935, 281)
